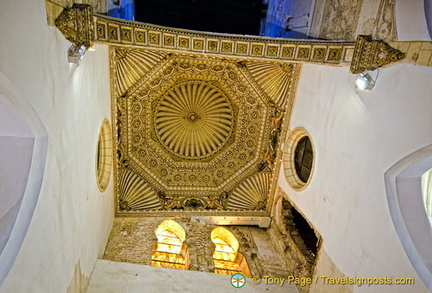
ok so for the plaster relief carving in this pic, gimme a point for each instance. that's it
(76, 24)
(371, 54)
(195, 130)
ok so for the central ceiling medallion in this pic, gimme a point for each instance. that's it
(194, 120)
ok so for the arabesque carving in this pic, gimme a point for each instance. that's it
(200, 246)
(76, 24)
(371, 54)
(195, 130)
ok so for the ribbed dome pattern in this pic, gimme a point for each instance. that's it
(274, 79)
(194, 119)
(134, 193)
(250, 193)
(131, 65)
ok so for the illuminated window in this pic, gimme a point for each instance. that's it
(170, 251)
(227, 259)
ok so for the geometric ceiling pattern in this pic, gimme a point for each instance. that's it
(199, 116)
(196, 133)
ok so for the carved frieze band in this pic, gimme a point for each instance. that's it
(110, 30)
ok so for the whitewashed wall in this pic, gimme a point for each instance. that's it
(357, 137)
(72, 218)
(411, 22)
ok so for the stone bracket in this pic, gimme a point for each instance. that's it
(371, 54)
(76, 24)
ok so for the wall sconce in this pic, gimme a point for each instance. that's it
(76, 53)
(365, 82)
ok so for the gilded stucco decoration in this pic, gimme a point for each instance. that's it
(199, 116)
(127, 33)
(196, 133)
(76, 24)
(371, 54)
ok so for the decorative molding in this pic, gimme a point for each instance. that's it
(131, 33)
(76, 24)
(371, 54)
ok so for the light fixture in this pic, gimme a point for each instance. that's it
(365, 82)
(76, 53)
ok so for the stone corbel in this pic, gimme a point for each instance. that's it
(371, 54)
(76, 24)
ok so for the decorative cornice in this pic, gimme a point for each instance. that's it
(371, 54)
(131, 33)
(76, 24)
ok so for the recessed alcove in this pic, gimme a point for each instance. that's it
(407, 208)
(23, 148)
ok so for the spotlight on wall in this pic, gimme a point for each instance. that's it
(365, 81)
(76, 53)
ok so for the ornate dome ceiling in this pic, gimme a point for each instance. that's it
(194, 119)
(197, 134)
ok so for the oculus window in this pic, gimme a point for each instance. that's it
(298, 159)
(104, 157)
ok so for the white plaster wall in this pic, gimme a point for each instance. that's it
(357, 138)
(72, 218)
(411, 20)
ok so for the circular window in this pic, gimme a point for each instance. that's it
(104, 156)
(298, 158)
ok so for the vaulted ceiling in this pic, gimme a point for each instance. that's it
(199, 118)
(195, 133)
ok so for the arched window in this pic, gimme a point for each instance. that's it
(170, 251)
(227, 259)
